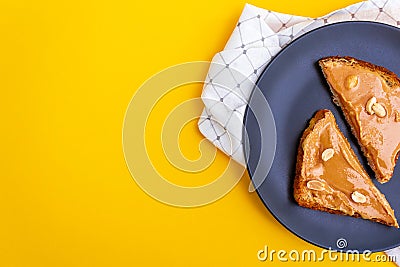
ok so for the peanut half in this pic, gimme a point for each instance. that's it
(369, 105)
(315, 185)
(379, 110)
(351, 81)
(327, 154)
(358, 197)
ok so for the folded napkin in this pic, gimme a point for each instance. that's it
(258, 36)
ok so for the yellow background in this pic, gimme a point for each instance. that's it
(68, 70)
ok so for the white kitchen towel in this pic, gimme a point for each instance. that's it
(258, 36)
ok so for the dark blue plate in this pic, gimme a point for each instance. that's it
(295, 89)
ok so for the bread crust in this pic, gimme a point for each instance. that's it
(390, 78)
(385, 73)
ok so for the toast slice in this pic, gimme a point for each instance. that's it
(330, 178)
(369, 97)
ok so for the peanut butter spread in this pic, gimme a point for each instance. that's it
(334, 177)
(370, 99)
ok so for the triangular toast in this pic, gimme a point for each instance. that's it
(330, 178)
(369, 97)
